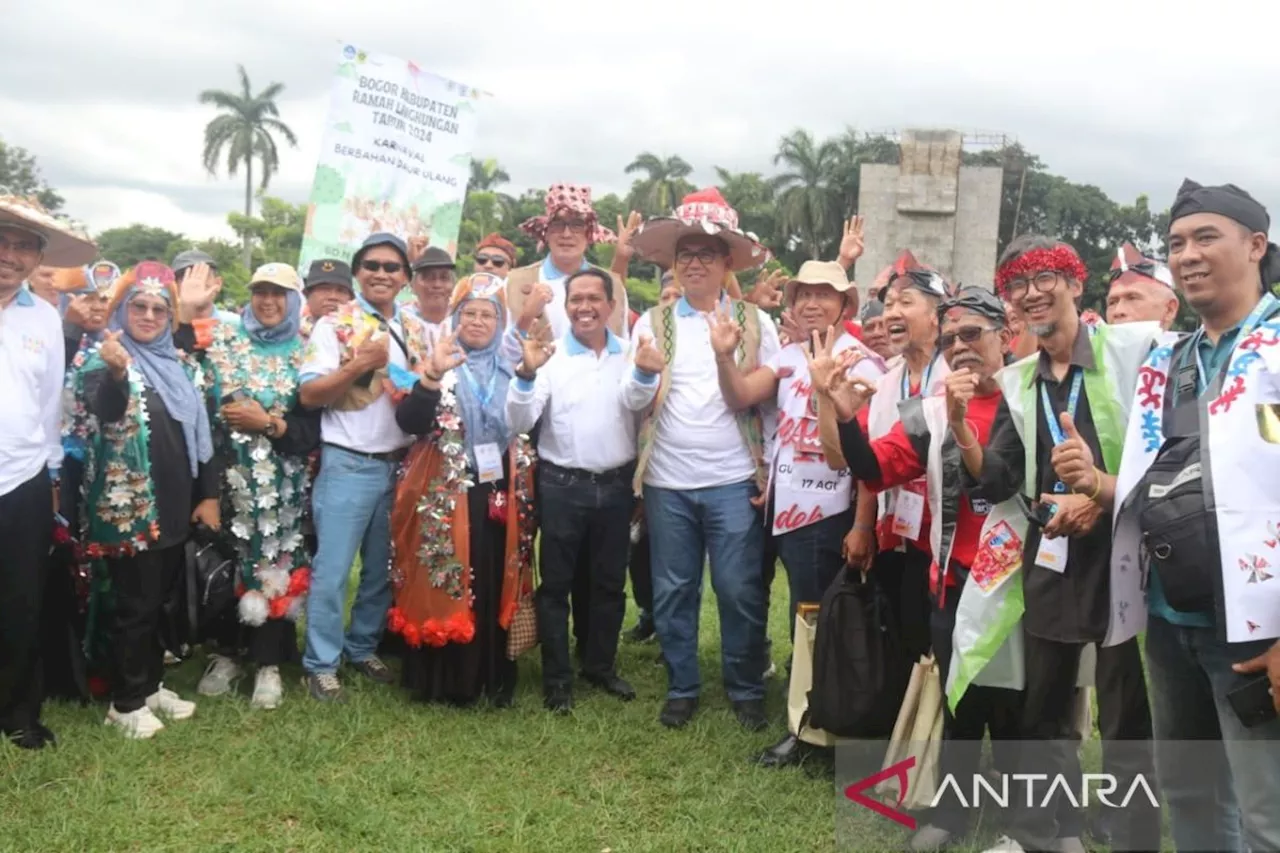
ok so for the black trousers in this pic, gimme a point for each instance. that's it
(272, 643)
(981, 710)
(1124, 721)
(641, 575)
(582, 520)
(26, 534)
(141, 585)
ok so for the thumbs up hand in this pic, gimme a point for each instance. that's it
(1073, 460)
(114, 355)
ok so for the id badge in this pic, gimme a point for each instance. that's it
(488, 462)
(1053, 554)
(908, 510)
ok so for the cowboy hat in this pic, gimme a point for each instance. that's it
(703, 213)
(62, 244)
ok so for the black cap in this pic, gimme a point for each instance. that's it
(434, 258)
(328, 271)
(381, 238)
(189, 258)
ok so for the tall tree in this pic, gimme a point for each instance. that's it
(242, 132)
(805, 191)
(20, 175)
(277, 232)
(662, 186)
(486, 176)
(126, 246)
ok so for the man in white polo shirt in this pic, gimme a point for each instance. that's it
(586, 452)
(359, 362)
(32, 359)
(701, 465)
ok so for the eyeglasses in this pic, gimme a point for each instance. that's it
(478, 317)
(969, 334)
(573, 226)
(1043, 282)
(386, 266)
(704, 256)
(21, 245)
(142, 309)
(497, 261)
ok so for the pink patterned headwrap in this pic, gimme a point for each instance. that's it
(574, 199)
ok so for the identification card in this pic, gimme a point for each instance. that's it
(488, 462)
(908, 511)
(1053, 554)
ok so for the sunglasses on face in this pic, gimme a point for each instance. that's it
(573, 226)
(969, 334)
(684, 257)
(386, 266)
(498, 261)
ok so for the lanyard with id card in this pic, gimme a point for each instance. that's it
(488, 462)
(908, 510)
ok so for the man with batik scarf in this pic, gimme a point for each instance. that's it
(1197, 503)
(1141, 290)
(1078, 387)
(701, 465)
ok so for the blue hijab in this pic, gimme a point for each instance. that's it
(163, 373)
(482, 386)
(281, 333)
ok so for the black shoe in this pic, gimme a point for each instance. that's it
(612, 684)
(750, 713)
(374, 670)
(788, 752)
(505, 697)
(31, 738)
(324, 688)
(46, 734)
(559, 700)
(643, 631)
(677, 712)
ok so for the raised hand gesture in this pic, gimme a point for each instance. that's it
(198, 290)
(114, 355)
(418, 245)
(767, 293)
(627, 230)
(852, 243)
(829, 376)
(725, 332)
(648, 359)
(538, 297)
(961, 386)
(535, 349)
(1073, 460)
(445, 356)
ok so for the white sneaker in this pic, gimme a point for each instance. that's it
(169, 704)
(268, 690)
(136, 725)
(1005, 844)
(218, 677)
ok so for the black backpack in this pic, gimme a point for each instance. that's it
(860, 668)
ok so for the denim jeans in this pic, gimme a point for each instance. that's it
(1230, 778)
(721, 522)
(351, 501)
(813, 556)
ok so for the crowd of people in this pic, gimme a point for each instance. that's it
(1029, 485)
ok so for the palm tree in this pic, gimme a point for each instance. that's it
(662, 187)
(243, 131)
(486, 175)
(805, 190)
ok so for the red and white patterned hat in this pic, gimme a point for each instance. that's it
(568, 198)
(702, 213)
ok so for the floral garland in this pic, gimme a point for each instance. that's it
(1060, 259)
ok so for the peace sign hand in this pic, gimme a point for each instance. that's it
(852, 243)
(627, 230)
(536, 349)
(767, 293)
(725, 332)
(114, 355)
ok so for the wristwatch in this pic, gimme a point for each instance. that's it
(270, 431)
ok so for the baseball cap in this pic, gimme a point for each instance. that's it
(189, 258)
(281, 275)
(381, 238)
(328, 271)
(434, 258)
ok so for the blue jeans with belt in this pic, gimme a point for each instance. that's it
(351, 502)
(1231, 777)
(721, 522)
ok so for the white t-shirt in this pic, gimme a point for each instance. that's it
(372, 429)
(805, 489)
(697, 444)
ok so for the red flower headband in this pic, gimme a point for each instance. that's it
(1060, 259)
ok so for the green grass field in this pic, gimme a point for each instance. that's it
(382, 773)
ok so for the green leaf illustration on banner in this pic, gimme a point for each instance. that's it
(447, 218)
(466, 106)
(346, 69)
(329, 187)
(343, 127)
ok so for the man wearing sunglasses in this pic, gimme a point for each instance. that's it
(1141, 289)
(360, 359)
(495, 254)
(1078, 387)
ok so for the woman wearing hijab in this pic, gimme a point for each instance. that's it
(262, 436)
(462, 522)
(147, 476)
